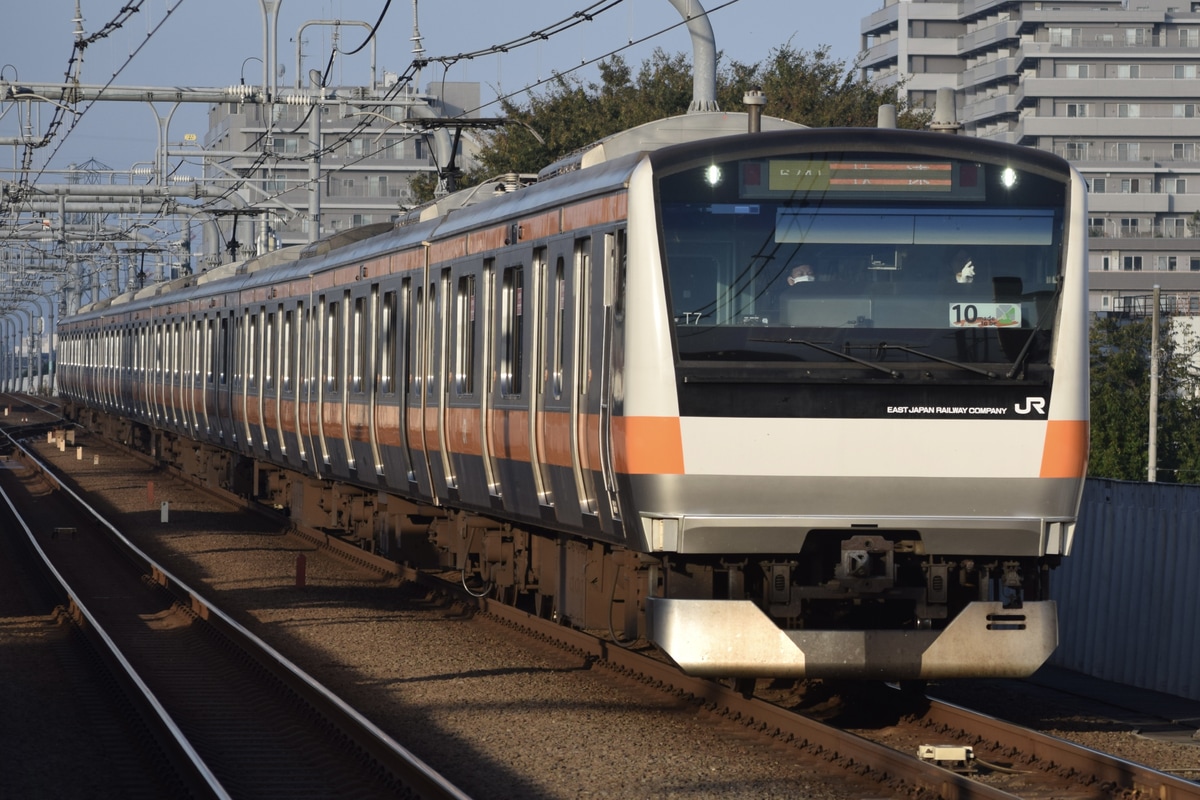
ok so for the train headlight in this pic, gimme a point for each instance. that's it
(1008, 177)
(713, 175)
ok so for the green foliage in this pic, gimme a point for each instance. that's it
(806, 87)
(1120, 395)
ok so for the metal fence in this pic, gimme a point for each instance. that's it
(1129, 593)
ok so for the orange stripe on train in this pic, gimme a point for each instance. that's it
(647, 445)
(1064, 455)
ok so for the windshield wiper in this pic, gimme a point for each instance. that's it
(885, 370)
(1051, 308)
(970, 368)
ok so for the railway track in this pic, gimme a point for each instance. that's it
(236, 719)
(1023, 763)
(1019, 762)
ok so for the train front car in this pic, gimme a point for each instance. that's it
(870, 450)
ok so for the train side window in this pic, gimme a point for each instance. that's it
(559, 298)
(285, 349)
(583, 291)
(385, 354)
(359, 346)
(416, 321)
(404, 367)
(333, 346)
(223, 363)
(252, 345)
(269, 353)
(465, 346)
(512, 330)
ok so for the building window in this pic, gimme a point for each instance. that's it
(1194, 264)
(1175, 185)
(1185, 70)
(1130, 185)
(1129, 71)
(1098, 185)
(1096, 228)
(1077, 110)
(1173, 228)
(1131, 263)
(1129, 110)
(1075, 71)
(1165, 263)
(1138, 37)
(377, 186)
(1189, 37)
(1129, 226)
(1183, 151)
(1183, 110)
(1065, 37)
(1127, 151)
(1076, 151)
(285, 144)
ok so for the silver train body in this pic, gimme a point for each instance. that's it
(737, 393)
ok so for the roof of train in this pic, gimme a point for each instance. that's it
(599, 167)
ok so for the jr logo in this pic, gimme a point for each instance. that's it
(1032, 405)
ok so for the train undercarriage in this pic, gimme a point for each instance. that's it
(849, 604)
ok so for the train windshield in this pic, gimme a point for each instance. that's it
(862, 258)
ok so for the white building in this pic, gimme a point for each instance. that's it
(1110, 85)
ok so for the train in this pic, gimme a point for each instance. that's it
(783, 402)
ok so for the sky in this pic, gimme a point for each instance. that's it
(218, 43)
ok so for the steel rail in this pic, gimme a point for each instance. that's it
(1060, 754)
(421, 779)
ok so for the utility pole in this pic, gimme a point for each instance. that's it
(1152, 459)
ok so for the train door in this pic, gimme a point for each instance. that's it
(358, 392)
(373, 350)
(385, 421)
(175, 373)
(540, 304)
(440, 377)
(560, 473)
(208, 385)
(614, 291)
(191, 372)
(488, 358)
(286, 394)
(269, 393)
(225, 377)
(418, 342)
(582, 455)
(328, 321)
(307, 350)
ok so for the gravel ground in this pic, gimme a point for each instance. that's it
(499, 716)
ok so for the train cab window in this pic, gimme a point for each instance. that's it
(464, 348)
(512, 330)
(824, 258)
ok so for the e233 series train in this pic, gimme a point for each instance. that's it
(797, 402)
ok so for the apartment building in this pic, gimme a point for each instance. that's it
(367, 162)
(1109, 85)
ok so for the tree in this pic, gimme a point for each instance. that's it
(806, 87)
(1120, 395)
